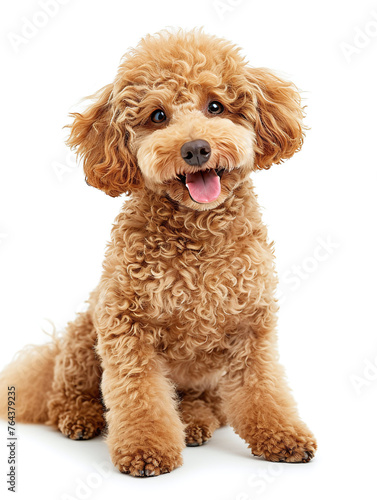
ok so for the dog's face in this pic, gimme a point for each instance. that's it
(186, 118)
(196, 151)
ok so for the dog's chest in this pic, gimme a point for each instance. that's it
(186, 284)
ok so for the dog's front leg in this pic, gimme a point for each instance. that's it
(259, 405)
(145, 434)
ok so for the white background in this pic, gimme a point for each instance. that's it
(53, 231)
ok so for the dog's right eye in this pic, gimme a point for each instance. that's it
(158, 116)
(215, 108)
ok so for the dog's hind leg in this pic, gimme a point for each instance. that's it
(74, 403)
(202, 414)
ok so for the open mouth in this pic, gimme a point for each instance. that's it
(203, 186)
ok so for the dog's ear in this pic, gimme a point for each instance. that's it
(101, 139)
(278, 117)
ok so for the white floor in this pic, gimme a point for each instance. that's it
(53, 467)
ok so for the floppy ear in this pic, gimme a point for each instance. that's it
(278, 121)
(101, 139)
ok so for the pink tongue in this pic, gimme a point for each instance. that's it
(204, 187)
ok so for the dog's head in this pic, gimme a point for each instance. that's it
(188, 119)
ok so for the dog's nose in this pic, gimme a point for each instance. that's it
(196, 152)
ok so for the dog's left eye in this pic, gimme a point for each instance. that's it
(215, 108)
(158, 116)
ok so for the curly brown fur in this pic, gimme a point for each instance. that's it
(184, 316)
(202, 414)
(31, 374)
(74, 402)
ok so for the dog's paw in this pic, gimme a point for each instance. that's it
(197, 434)
(79, 427)
(147, 463)
(285, 446)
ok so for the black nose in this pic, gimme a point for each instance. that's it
(196, 152)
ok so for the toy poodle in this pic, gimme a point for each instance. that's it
(179, 336)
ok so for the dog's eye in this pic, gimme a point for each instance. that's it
(215, 108)
(158, 116)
